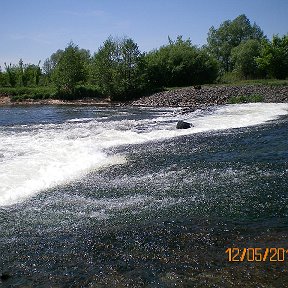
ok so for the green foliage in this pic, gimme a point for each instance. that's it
(118, 68)
(49, 65)
(229, 35)
(70, 70)
(12, 74)
(22, 74)
(31, 75)
(180, 64)
(244, 57)
(80, 92)
(246, 99)
(235, 51)
(4, 81)
(274, 57)
(24, 93)
(229, 78)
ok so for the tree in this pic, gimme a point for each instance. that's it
(274, 57)
(229, 35)
(3, 78)
(130, 60)
(104, 67)
(244, 57)
(70, 70)
(29, 74)
(180, 64)
(23, 74)
(12, 72)
(50, 64)
(116, 68)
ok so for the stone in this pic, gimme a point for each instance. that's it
(5, 276)
(198, 96)
(183, 125)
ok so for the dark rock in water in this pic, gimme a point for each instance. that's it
(197, 87)
(5, 276)
(183, 125)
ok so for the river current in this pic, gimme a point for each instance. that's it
(99, 197)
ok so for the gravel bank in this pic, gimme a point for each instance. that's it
(211, 95)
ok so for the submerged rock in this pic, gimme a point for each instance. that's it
(5, 276)
(183, 125)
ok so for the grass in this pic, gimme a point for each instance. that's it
(231, 79)
(246, 99)
(266, 82)
(19, 94)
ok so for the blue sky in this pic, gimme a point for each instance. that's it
(34, 29)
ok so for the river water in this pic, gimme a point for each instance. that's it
(118, 197)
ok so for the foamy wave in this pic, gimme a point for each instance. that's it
(45, 159)
(42, 156)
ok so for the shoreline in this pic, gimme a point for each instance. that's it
(190, 97)
(5, 101)
(186, 97)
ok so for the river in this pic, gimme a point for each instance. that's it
(99, 197)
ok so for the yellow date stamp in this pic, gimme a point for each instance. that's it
(272, 254)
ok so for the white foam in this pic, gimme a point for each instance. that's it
(46, 155)
(240, 115)
(42, 160)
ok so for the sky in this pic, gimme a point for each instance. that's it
(34, 29)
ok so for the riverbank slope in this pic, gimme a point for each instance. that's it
(192, 97)
(195, 97)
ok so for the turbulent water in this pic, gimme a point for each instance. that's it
(96, 197)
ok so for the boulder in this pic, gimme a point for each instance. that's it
(183, 125)
(5, 276)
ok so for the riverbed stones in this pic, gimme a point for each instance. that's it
(212, 95)
(183, 125)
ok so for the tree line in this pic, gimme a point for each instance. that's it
(236, 49)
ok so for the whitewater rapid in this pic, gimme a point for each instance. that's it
(36, 157)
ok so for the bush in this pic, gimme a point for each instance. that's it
(87, 92)
(180, 64)
(80, 92)
(24, 93)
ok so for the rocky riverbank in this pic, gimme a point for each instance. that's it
(200, 97)
(190, 97)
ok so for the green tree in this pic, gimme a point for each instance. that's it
(70, 70)
(229, 35)
(180, 64)
(30, 74)
(23, 74)
(50, 64)
(244, 57)
(12, 72)
(104, 67)
(130, 61)
(116, 68)
(3, 78)
(274, 57)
